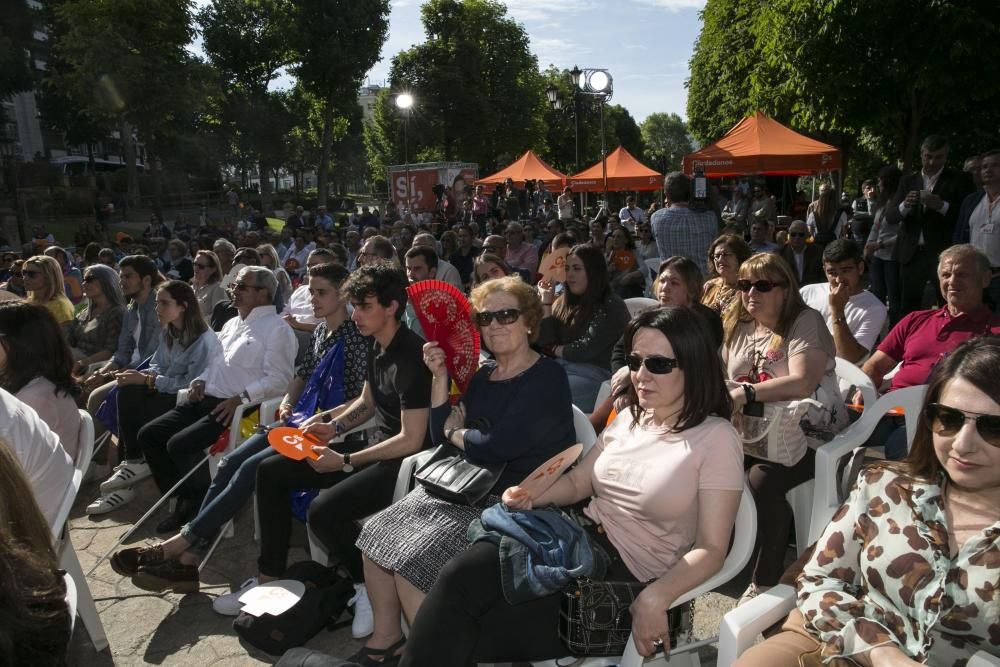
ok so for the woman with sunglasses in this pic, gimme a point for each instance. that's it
(778, 349)
(663, 483)
(43, 280)
(645, 247)
(906, 571)
(207, 282)
(725, 256)
(583, 323)
(186, 347)
(94, 335)
(406, 545)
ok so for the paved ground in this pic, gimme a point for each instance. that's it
(166, 629)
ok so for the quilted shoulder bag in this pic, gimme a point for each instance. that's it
(595, 617)
(776, 435)
(449, 475)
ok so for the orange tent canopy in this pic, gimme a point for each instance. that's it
(624, 173)
(527, 167)
(760, 145)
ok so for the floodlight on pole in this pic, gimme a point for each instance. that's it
(404, 102)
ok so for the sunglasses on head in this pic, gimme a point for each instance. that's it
(947, 421)
(655, 365)
(505, 316)
(760, 285)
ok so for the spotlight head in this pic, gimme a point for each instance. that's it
(596, 82)
(404, 101)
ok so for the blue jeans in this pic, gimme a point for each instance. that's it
(584, 382)
(233, 486)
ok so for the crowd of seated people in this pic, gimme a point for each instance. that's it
(255, 317)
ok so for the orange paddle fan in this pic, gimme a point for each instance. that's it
(446, 318)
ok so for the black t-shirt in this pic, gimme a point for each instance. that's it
(399, 380)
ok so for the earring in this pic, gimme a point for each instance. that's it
(529, 331)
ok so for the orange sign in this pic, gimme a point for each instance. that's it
(546, 474)
(553, 267)
(293, 443)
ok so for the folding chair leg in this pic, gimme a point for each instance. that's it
(85, 600)
(228, 528)
(156, 506)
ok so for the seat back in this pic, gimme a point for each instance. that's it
(849, 375)
(585, 433)
(637, 304)
(83, 456)
(650, 267)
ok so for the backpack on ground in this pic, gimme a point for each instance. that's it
(325, 598)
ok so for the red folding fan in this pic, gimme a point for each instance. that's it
(446, 318)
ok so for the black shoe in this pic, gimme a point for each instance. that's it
(171, 574)
(367, 656)
(128, 561)
(184, 512)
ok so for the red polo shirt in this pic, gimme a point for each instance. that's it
(924, 337)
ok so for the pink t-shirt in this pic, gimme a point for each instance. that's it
(646, 484)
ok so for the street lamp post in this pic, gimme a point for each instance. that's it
(404, 102)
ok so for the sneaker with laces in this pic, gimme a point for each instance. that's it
(125, 475)
(111, 501)
(229, 604)
(364, 620)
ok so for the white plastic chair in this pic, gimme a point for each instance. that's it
(849, 375)
(585, 433)
(637, 304)
(737, 558)
(815, 501)
(83, 600)
(741, 626)
(70, 602)
(603, 393)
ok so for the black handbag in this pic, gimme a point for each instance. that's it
(449, 475)
(595, 617)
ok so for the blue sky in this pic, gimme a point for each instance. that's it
(645, 44)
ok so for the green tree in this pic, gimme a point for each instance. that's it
(247, 41)
(124, 63)
(478, 93)
(667, 141)
(336, 42)
(15, 39)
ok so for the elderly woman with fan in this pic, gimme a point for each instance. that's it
(515, 415)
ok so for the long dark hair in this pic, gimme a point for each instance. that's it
(890, 175)
(193, 324)
(574, 311)
(691, 338)
(34, 616)
(976, 361)
(35, 347)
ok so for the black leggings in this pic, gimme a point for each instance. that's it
(465, 618)
(769, 482)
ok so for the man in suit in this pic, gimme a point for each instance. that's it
(806, 259)
(926, 207)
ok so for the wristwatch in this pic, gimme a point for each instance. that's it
(245, 397)
(347, 463)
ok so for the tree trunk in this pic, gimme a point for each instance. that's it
(324, 156)
(128, 150)
(157, 178)
(912, 131)
(264, 174)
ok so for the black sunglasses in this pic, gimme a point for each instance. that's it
(505, 316)
(760, 285)
(797, 234)
(655, 365)
(89, 279)
(30, 273)
(948, 421)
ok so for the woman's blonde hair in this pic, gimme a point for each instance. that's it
(52, 272)
(767, 266)
(527, 300)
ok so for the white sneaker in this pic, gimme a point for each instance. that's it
(229, 604)
(364, 620)
(126, 474)
(111, 501)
